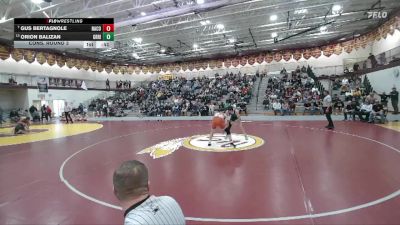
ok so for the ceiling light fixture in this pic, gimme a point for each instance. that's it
(137, 40)
(336, 9)
(231, 40)
(220, 26)
(37, 1)
(195, 46)
(323, 29)
(135, 55)
(162, 50)
(143, 13)
(203, 23)
(274, 35)
(301, 11)
(199, 1)
(2, 20)
(208, 21)
(273, 17)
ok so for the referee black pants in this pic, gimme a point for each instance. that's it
(67, 115)
(328, 113)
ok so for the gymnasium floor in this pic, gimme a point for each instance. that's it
(290, 172)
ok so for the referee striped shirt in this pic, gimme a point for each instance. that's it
(155, 210)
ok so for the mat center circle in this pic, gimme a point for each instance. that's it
(221, 143)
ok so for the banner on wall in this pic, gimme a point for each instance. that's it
(42, 84)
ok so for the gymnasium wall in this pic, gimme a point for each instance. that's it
(13, 98)
(72, 96)
(383, 45)
(384, 80)
(323, 65)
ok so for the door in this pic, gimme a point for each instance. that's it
(58, 107)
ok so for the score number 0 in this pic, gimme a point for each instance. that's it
(108, 27)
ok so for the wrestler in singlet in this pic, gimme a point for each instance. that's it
(218, 121)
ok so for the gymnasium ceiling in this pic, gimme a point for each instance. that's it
(150, 32)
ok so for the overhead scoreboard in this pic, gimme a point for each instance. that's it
(63, 33)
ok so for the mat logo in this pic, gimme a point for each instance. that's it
(377, 15)
(219, 143)
(164, 148)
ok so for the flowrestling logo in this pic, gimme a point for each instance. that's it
(377, 15)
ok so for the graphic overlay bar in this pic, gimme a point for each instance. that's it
(28, 28)
(62, 36)
(64, 32)
(63, 44)
(44, 21)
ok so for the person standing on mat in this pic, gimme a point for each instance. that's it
(67, 112)
(131, 187)
(327, 107)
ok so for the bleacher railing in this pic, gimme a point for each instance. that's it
(31, 80)
(383, 58)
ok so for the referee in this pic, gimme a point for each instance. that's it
(327, 107)
(131, 187)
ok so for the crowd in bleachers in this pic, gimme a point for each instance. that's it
(180, 96)
(289, 90)
(112, 106)
(357, 100)
(290, 93)
(287, 93)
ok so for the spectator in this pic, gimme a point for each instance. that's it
(1, 116)
(12, 81)
(292, 108)
(337, 104)
(371, 97)
(283, 71)
(48, 111)
(285, 108)
(277, 107)
(307, 107)
(108, 84)
(394, 97)
(350, 109)
(365, 109)
(377, 110)
(266, 103)
(394, 59)
(131, 187)
(212, 109)
(43, 111)
(34, 113)
(373, 60)
(357, 94)
(356, 67)
(14, 116)
(384, 99)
